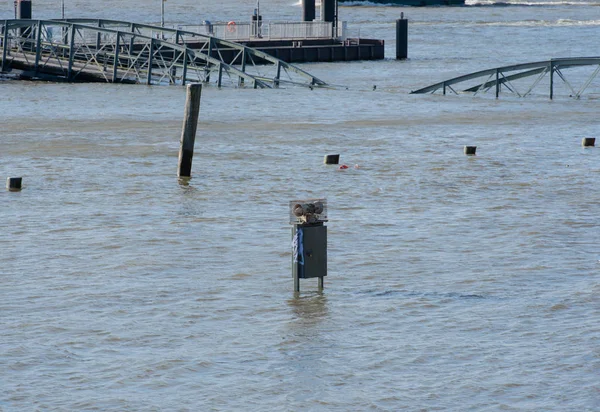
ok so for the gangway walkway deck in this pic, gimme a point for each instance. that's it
(123, 52)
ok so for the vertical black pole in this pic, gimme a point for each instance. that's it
(401, 38)
(190, 125)
(4, 48)
(71, 52)
(24, 12)
(308, 10)
(497, 83)
(24, 9)
(116, 60)
(150, 62)
(328, 9)
(551, 80)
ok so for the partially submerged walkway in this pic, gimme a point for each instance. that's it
(506, 77)
(92, 50)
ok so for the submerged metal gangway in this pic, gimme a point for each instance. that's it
(124, 52)
(501, 78)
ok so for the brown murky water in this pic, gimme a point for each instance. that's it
(455, 283)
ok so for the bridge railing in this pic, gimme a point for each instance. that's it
(127, 52)
(268, 31)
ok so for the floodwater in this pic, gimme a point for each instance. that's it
(455, 283)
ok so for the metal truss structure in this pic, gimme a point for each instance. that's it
(508, 75)
(122, 52)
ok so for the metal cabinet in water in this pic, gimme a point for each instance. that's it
(309, 240)
(310, 260)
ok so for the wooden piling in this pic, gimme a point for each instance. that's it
(188, 133)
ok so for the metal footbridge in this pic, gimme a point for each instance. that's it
(510, 78)
(93, 50)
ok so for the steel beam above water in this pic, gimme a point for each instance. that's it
(115, 51)
(506, 75)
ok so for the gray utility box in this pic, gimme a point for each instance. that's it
(311, 260)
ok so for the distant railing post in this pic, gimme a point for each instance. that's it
(116, 61)
(551, 80)
(5, 48)
(150, 63)
(243, 66)
(497, 83)
(278, 74)
(38, 45)
(220, 76)
(71, 52)
(188, 133)
(185, 59)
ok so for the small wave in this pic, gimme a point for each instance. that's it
(426, 295)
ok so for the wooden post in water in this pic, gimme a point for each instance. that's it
(188, 133)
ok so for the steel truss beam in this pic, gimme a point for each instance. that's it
(122, 52)
(254, 62)
(500, 76)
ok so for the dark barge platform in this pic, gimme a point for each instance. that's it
(307, 51)
(321, 50)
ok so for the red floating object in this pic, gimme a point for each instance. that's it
(343, 167)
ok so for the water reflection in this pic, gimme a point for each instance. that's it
(309, 309)
(307, 348)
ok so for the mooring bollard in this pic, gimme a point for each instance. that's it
(14, 183)
(470, 150)
(23, 9)
(588, 142)
(333, 159)
(309, 240)
(188, 133)
(308, 10)
(401, 38)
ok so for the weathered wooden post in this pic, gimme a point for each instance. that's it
(401, 38)
(188, 133)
